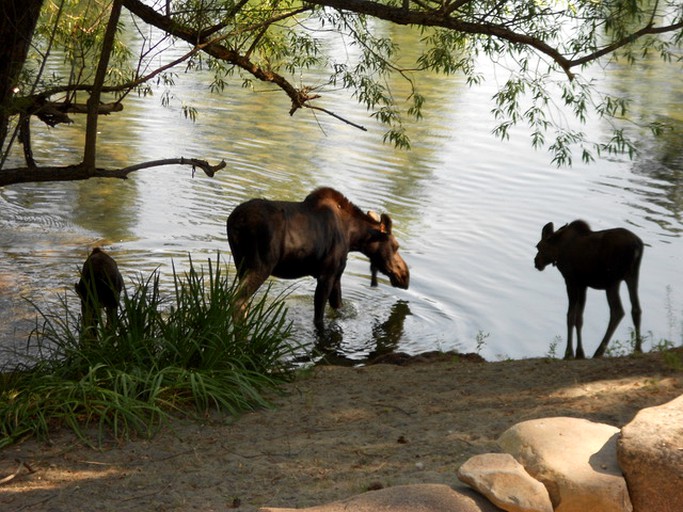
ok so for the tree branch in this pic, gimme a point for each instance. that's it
(336, 116)
(217, 50)
(82, 172)
(209, 170)
(438, 18)
(92, 116)
(401, 16)
(300, 97)
(647, 30)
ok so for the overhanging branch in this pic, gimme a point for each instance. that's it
(442, 18)
(81, 172)
(209, 170)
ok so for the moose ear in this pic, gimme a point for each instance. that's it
(548, 230)
(385, 226)
(374, 216)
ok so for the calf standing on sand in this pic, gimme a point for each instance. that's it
(99, 287)
(601, 260)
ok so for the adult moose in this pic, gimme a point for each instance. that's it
(99, 287)
(309, 238)
(601, 260)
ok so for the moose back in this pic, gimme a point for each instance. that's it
(309, 238)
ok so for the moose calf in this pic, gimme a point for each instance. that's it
(99, 287)
(601, 260)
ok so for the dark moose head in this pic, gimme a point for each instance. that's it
(548, 251)
(382, 249)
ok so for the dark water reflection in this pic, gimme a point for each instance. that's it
(387, 335)
(661, 168)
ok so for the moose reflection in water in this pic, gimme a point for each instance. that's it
(309, 238)
(601, 260)
(387, 333)
(99, 287)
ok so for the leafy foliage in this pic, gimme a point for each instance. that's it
(178, 355)
(544, 48)
(70, 34)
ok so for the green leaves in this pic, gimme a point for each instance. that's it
(543, 48)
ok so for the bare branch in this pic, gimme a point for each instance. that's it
(82, 172)
(209, 170)
(336, 116)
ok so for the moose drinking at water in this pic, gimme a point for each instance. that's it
(99, 287)
(596, 259)
(309, 238)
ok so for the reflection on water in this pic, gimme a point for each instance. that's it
(389, 333)
(661, 183)
(467, 210)
(386, 338)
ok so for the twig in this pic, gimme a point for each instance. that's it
(11, 477)
(337, 117)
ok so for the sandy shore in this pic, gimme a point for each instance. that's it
(333, 433)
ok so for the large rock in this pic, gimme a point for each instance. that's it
(505, 482)
(405, 498)
(650, 453)
(576, 460)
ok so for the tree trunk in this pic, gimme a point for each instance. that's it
(90, 152)
(18, 20)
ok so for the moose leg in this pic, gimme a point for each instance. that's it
(112, 317)
(373, 275)
(578, 322)
(323, 292)
(335, 299)
(616, 313)
(89, 321)
(632, 284)
(249, 282)
(577, 300)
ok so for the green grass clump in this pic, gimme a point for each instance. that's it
(181, 354)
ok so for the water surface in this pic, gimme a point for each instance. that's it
(467, 208)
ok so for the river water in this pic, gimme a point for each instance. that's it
(467, 209)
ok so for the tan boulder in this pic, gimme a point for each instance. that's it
(505, 482)
(650, 453)
(576, 460)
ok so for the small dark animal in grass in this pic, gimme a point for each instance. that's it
(99, 287)
(601, 260)
(309, 238)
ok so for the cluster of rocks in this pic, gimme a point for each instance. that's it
(556, 465)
